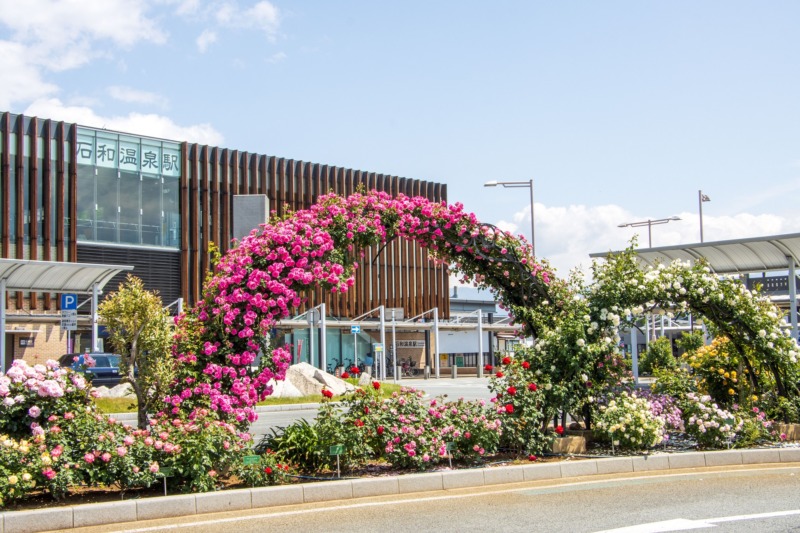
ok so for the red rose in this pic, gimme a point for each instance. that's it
(511, 390)
(327, 393)
(532, 387)
(509, 408)
(376, 385)
(345, 375)
(268, 470)
(366, 410)
(380, 430)
(506, 360)
(526, 365)
(359, 423)
(488, 368)
(560, 430)
(588, 384)
(354, 370)
(499, 374)
(532, 457)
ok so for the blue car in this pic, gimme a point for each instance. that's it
(104, 371)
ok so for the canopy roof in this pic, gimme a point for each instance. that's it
(739, 256)
(54, 276)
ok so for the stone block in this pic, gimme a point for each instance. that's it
(724, 458)
(751, 457)
(377, 486)
(276, 496)
(616, 465)
(790, 455)
(38, 520)
(792, 431)
(645, 463)
(542, 471)
(503, 474)
(569, 445)
(227, 500)
(459, 479)
(578, 468)
(166, 507)
(327, 491)
(687, 460)
(97, 514)
(420, 482)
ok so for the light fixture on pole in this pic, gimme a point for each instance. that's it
(700, 199)
(512, 185)
(649, 223)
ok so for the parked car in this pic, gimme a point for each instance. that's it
(104, 371)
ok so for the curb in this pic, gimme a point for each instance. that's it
(97, 514)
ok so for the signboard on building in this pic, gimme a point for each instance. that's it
(410, 343)
(69, 319)
(355, 329)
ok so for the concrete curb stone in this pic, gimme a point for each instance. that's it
(195, 504)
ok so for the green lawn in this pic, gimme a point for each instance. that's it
(128, 405)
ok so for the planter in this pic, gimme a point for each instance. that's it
(585, 433)
(569, 444)
(792, 431)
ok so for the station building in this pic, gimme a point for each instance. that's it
(70, 193)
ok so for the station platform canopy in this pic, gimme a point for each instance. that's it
(738, 256)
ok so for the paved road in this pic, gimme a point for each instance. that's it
(741, 500)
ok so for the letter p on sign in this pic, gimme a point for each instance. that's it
(69, 301)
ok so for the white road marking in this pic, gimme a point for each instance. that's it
(682, 524)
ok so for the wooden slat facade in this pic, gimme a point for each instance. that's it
(396, 275)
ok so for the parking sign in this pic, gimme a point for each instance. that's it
(69, 301)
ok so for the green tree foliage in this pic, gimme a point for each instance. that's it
(658, 355)
(140, 330)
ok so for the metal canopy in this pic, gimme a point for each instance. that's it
(53, 276)
(739, 256)
(48, 277)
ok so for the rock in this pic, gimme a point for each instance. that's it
(284, 389)
(308, 380)
(123, 390)
(365, 380)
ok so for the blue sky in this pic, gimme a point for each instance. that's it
(619, 110)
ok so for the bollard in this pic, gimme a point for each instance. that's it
(454, 371)
(427, 371)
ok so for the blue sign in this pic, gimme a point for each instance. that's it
(69, 302)
(355, 329)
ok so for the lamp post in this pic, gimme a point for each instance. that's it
(513, 185)
(700, 199)
(649, 223)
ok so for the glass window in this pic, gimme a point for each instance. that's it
(151, 211)
(106, 213)
(129, 208)
(86, 204)
(53, 192)
(171, 217)
(12, 179)
(26, 190)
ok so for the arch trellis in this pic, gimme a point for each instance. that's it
(269, 273)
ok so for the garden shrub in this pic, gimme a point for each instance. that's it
(658, 356)
(628, 422)
(717, 368)
(707, 423)
(676, 383)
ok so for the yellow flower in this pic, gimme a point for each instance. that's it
(754, 398)
(26, 477)
(46, 461)
(733, 374)
(721, 372)
(727, 375)
(12, 480)
(731, 392)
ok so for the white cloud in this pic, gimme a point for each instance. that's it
(61, 35)
(276, 58)
(205, 39)
(128, 94)
(21, 80)
(565, 236)
(263, 16)
(137, 123)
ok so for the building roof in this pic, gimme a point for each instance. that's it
(52, 276)
(738, 256)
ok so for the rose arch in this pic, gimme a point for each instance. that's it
(269, 273)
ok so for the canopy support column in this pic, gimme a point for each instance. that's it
(3, 325)
(95, 292)
(436, 340)
(793, 297)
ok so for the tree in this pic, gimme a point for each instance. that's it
(140, 330)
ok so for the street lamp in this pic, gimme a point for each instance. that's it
(700, 199)
(513, 185)
(649, 223)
